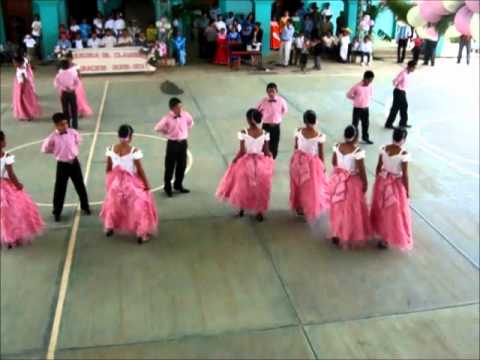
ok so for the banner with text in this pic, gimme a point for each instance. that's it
(111, 60)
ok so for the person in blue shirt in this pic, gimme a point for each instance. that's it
(286, 38)
(247, 30)
(85, 31)
(233, 34)
(180, 48)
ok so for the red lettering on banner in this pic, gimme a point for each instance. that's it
(121, 67)
(106, 55)
(91, 68)
(139, 66)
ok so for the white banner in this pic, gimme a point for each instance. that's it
(111, 60)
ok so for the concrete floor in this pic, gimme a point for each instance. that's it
(212, 286)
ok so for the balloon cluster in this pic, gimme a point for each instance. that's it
(466, 15)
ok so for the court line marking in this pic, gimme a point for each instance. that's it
(107, 133)
(52, 346)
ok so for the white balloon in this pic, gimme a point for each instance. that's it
(414, 17)
(475, 26)
(452, 5)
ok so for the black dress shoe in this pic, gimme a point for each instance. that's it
(259, 217)
(182, 190)
(57, 217)
(241, 213)
(109, 233)
(382, 246)
(368, 142)
(168, 192)
(336, 241)
(407, 126)
(87, 212)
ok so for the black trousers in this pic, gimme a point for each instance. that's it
(430, 48)
(401, 48)
(67, 171)
(175, 161)
(399, 104)
(361, 115)
(70, 109)
(467, 43)
(274, 131)
(416, 53)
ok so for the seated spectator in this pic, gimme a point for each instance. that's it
(77, 42)
(344, 45)
(109, 41)
(62, 30)
(119, 24)
(329, 44)
(211, 38)
(85, 30)
(133, 28)
(94, 42)
(355, 50)
(125, 39)
(98, 23)
(74, 28)
(179, 48)
(30, 44)
(110, 24)
(141, 40)
(220, 24)
(63, 46)
(366, 49)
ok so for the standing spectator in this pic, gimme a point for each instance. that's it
(341, 23)
(110, 23)
(94, 42)
(109, 41)
(151, 33)
(85, 30)
(430, 45)
(74, 28)
(257, 37)
(201, 25)
(417, 47)
(327, 26)
(125, 39)
(308, 26)
(247, 30)
(211, 38)
(284, 20)
(119, 24)
(465, 41)
(286, 38)
(326, 11)
(317, 54)
(220, 24)
(404, 33)
(230, 19)
(163, 27)
(214, 12)
(30, 44)
(98, 23)
(180, 48)
(221, 55)
(36, 34)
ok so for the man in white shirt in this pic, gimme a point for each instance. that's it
(119, 24)
(110, 23)
(30, 43)
(74, 28)
(98, 23)
(94, 42)
(109, 41)
(220, 24)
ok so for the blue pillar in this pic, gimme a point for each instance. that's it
(223, 6)
(161, 8)
(62, 12)
(50, 18)
(263, 10)
(3, 38)
(101, 6)
(351, 14)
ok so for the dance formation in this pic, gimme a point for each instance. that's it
(129, 206)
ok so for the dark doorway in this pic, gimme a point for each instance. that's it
(141, 10)
(280, 6)
(18, 19)
(85, 9)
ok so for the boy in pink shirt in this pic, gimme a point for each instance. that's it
(66, 82)
(273, 107)
(64, 144)
(175, 126)
(361, 94)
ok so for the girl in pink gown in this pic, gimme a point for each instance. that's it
(349, 218)
(30, 74)
(309, 192)
(20, 220)
(129, 206)
(84, 109)
(25, 102)
(390, 213)
(248, 181)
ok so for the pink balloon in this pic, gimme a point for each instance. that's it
(429, 11)
(462, 20)
(473, 5)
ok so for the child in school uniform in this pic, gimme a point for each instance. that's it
(25, 102)
(175, 126)
(360, 94)
(84, 109)
(248, 181)
(64, 144)
(66, 82)
(390, 213)
(129, 206)
(309, 192)
(349, 218)
(273, 107)
(20, 220)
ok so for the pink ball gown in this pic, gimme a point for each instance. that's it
(248, 182)
(20, 220)
(309, 191)
(128, 208)
(390, 213)
(349, 218)
(25, 102)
